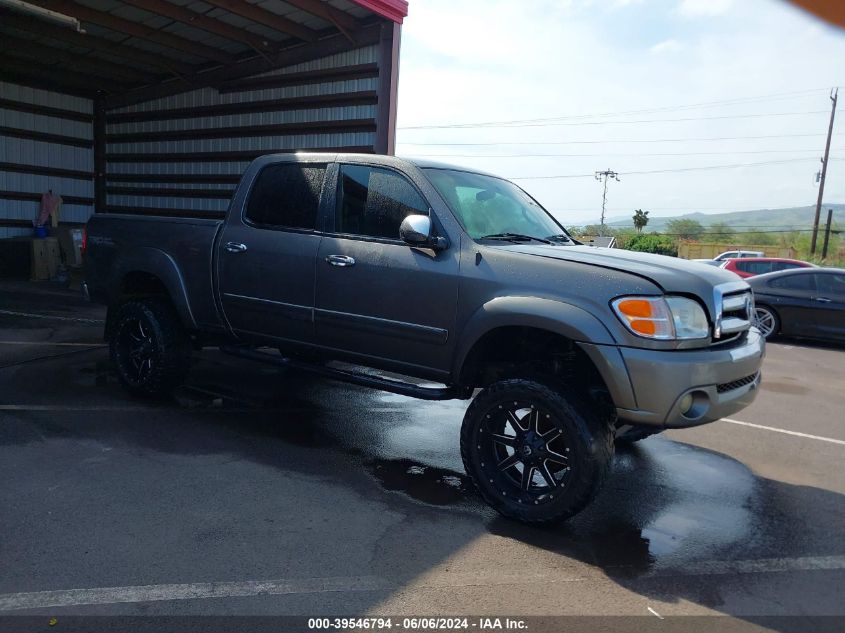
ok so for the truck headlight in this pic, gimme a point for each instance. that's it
(662, 318)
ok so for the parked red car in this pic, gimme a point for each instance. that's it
(750, 266)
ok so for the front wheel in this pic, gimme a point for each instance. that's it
(149, 348)
(536, 453)
(766, 320)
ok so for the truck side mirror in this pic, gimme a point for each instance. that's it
(415, 230)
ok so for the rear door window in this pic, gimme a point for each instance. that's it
(798, 283)
(373, 201)
(831, 285)
(755, 268)
(286, 195)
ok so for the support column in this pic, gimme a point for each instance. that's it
(388, 88)
(99, 155)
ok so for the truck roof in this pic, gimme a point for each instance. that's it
(383, 159)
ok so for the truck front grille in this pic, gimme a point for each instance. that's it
(734, 310)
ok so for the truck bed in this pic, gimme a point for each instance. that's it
(123, 239)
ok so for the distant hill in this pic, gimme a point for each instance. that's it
(789, 218)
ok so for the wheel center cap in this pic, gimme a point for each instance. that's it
(527, 450)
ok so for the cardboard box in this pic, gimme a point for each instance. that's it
(46, 258)
(70, 242)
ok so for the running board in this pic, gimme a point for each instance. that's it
(365, 380)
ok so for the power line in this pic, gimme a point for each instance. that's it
(721, 232)
(730, 153)
(724, 207)
(657, 140)
(723, 102)
(715, 229)
(467, 126)
(666, 171)
(613, 226)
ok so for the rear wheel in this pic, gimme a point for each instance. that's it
(149, 347)
(766, 320)
(536, 452)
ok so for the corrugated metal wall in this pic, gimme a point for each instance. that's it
(46, 141)
(189, 149)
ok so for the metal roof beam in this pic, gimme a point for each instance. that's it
(296, 55)
(135, 29)
(41, 28)
(341, 19)
(200, 21)
(23, 48)
(262, 16)
(46, 78)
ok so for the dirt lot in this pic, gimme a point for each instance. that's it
(346, 501)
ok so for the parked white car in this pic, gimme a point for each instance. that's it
(735, 254)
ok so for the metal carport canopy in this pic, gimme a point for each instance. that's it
(182, 93)
(135, 50)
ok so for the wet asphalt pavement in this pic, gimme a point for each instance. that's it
(351, 501)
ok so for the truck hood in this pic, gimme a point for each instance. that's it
(672, 274)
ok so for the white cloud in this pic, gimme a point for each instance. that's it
(666, 46)
(703, 8)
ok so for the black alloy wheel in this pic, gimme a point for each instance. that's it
(149, 347)
(138, 347)
(535, 451)
(524, 452)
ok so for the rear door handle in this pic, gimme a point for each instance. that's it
(340, 260)
(235, 247)
(821, 299)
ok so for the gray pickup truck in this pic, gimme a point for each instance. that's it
(341, 264)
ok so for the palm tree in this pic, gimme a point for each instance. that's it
(640, 219)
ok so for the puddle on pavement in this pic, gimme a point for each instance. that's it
(428, 484)
(665, 504)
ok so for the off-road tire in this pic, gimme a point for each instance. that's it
(586, 435)
(167, 345)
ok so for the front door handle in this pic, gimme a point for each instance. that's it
(235, 247)
(340, 260)
(821, 299)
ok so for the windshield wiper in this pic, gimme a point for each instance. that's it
(514, 237)
(562, 237)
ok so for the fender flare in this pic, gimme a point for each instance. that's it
(161, 265)
(550, 315)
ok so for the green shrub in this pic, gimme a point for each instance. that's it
(652, 243)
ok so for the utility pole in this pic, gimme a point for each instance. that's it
(827, 232)
(834, 94)
(604, 175)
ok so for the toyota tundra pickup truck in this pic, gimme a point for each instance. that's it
(429, 273)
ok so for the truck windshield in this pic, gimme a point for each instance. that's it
(494, 208)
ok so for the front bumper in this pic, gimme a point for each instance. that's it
(721, 382)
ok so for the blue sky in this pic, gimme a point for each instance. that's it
(582, 62)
